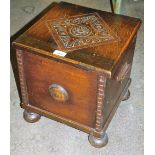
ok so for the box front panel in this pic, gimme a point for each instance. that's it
(60, 88)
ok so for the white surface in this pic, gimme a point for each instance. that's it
(60, 53)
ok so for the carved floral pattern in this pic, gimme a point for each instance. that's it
(80, 31)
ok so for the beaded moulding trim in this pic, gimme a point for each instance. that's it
(21, 76)
(100, 98)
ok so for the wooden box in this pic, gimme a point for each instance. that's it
(74, 66)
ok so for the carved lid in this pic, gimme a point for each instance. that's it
(95, 38)
(80, 31)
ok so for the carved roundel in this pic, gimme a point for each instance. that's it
(80, 31)
(58, 93)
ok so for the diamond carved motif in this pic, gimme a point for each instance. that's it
(81, 31)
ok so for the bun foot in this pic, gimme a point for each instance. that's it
(31, 117)
(126, 96)
(98, 142)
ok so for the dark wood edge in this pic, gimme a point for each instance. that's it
(64, 59)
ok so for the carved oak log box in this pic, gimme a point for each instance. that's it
(74, 66)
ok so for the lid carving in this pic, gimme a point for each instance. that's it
(80, 31)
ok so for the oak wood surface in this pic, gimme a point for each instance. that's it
(94, 78)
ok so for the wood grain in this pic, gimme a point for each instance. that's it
(91, 81)
(81, 86)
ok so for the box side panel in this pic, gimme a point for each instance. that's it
(116, 85)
